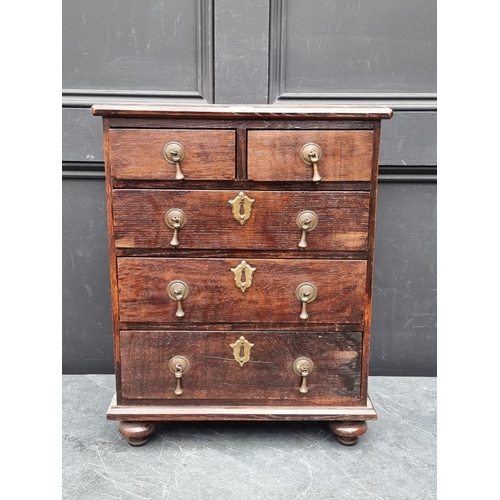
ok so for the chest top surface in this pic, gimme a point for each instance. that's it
(301, 112)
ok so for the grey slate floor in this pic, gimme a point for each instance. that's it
(395, 459)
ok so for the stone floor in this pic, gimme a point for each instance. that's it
(395, 459)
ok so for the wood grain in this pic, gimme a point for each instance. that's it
(275, 155)
(138, 154)
(342, 220)
(290, 112)
(137, 411)
(225, 122)
(214, 297)
(214, 373)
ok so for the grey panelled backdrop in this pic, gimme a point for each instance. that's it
(252, 52)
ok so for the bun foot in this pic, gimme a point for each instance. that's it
(137, 433)
(346, 432)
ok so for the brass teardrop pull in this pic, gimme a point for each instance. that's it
(175, 219)
(306, 221)
(174, 153)
(178, 290)
(310, 154)
(305, 293)
(178, 365)
(303, 367)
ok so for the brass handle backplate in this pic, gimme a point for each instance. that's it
(306, 221)
(175, 218)
(305, 293)
(310, 154)
(174, 153)
(178, 290)
(303, 367)
(178, 365)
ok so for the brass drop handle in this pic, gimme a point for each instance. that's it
(175, 219)
(178, 365)
(310, 154)
(178, 290)
(174, 153)
(305, 293)
(303, 367)
(306, 221)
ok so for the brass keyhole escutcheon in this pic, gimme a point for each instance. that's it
(303, 367)
(178, 290)
(178, 365)
(306, 221)
(174, 153)
(305, 293)
(243, 275)
(310, 154)
(175, 219)
(241, 350)
(242, 207)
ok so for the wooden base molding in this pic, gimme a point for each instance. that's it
(137, 423)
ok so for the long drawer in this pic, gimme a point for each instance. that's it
(216, 371)
(258, 220)
(222, 290)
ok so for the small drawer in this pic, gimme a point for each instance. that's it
(233, 220)
(241, 366)
(241, 291)
(151, 154)
(279, 155)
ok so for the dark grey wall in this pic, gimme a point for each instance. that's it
(87, 339)
(258, 51)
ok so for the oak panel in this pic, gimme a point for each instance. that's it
(138, 154)
(342, 220)
(215, 298)
(215, 374)
(275, 155)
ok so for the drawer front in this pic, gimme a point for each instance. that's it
(275, 155)
(240, 291)
(258, 220)
(139, 154)
(265, 372)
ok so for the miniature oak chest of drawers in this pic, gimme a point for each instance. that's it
(241, 256)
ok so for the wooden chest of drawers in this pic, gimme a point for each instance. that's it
(241, 255)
